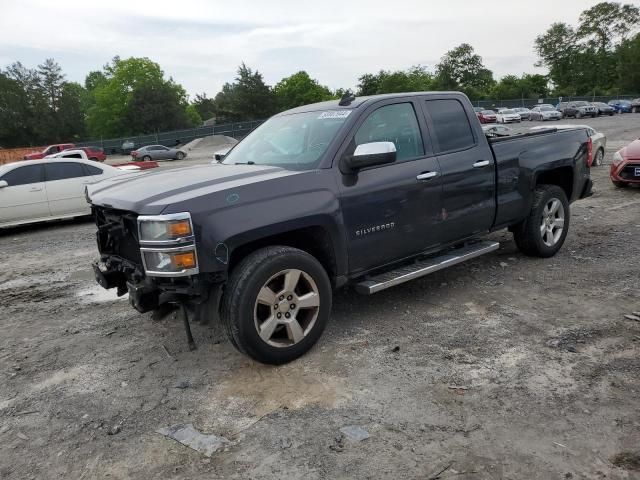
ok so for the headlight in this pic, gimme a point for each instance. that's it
(163, 229)
(167, 245)
(174, 262)
(617, 158)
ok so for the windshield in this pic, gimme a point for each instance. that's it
(581, 104)
(488, 112)
(295, 141)
(547, 109)
(507, 112)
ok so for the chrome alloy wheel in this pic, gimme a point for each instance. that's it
(286, 308)
(552, 223)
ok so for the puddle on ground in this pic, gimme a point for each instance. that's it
(254, 391)
(97, 294)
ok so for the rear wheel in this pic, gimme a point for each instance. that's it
(276, 304)
(597, 160)
(543, 232)
(179, 156)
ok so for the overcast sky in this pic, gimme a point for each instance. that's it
(200, 43)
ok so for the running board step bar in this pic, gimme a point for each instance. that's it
(424, 267)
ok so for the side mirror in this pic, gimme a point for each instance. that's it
(218, 157)
(3, 183)
(370, 155)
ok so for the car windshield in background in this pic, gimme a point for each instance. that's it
(295, 141)
(547, 109)
(581, 104)
(507, 112)
(488, 112)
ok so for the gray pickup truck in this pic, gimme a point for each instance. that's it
(369, 192)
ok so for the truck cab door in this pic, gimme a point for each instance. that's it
(389, 211)
(467, 166)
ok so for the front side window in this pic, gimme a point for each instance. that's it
(23, 175)
(63, 171)
(451, 125)
(393, 123)
(296, 141)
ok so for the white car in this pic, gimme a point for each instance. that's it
(48, 189)
(508, 115)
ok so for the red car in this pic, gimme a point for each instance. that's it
(487, 116)
(94, 153)
(625, 168)
(50, 150)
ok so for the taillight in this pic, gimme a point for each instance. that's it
(589, 153)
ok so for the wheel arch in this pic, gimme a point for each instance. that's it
(316, 240)
(561, 176)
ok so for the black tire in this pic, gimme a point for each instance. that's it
(239, 302)
(598, 157)
(146, 158)
(179, 156)
(527, 234)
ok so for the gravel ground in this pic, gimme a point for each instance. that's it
(504, 367)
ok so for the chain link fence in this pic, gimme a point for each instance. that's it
(124, 145)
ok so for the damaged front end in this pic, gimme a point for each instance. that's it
(152, 258)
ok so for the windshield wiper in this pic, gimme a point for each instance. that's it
(245, 163)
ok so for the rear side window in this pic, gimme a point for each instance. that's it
(24, 175)
(93, 170)
(393, 123)
(450, 124)
(63, 171)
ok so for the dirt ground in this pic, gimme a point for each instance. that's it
(506, 367)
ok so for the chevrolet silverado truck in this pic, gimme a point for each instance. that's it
(369, 192)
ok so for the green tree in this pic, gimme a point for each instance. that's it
(299, 89)
(462, 69)
(607, 23)
(135, 98)
(204, 106)
(415, 79)
(15, 117)
(71, 114)
(628, 66)
(247, 98)
(557, 49)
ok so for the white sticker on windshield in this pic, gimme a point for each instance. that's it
(335, 114)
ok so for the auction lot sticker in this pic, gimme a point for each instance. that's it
(335, 114)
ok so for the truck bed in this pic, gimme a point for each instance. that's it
(521, 159)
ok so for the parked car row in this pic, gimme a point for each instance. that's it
(546, 111)
(148, 152)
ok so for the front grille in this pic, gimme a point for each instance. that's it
(118, 233)
(629, 171)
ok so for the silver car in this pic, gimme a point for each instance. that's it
(598, 140)
(525, 113)
(544, 112)
(158, 152)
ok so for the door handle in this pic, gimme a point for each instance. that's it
(35, 189)
(481, 163)
(427, 175)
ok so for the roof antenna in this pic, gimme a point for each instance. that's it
(347, 98)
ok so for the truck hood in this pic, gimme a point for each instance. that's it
(151, 193)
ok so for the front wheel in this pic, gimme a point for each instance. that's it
(276, 304)
(146, 158)
(179, 156)
(543, 232)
